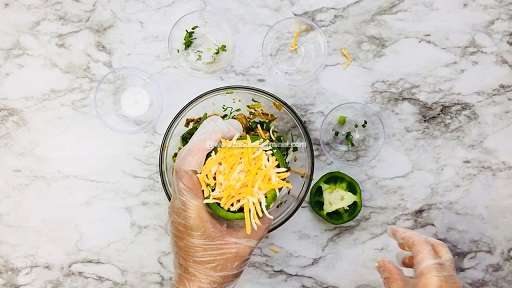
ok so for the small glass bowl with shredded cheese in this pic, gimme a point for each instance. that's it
(352, 134)
(295, 50)
(291, 184)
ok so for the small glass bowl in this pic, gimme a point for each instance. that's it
(367, 141)
(127, 100)
(287, 123)
(212, 31)
(302, 63)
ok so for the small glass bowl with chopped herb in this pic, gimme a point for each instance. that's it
(352, 133)
(201, 42)
(295, 50)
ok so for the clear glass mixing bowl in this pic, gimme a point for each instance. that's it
(287, 123)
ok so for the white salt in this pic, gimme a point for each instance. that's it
(135, 101)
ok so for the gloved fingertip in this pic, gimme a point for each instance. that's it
(235, 124)
(391, 275)
(392, 231)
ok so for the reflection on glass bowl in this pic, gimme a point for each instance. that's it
(287, 123)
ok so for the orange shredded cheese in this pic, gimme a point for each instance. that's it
(239, 174)
(295, 41)
(347, 56)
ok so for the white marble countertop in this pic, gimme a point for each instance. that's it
(82, 206)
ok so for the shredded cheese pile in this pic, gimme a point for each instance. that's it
(295, 41)
(347, 56)
(239, 174)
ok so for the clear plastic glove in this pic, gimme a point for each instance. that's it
(209, 252)
(430, 258)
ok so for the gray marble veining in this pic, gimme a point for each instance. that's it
(82, 206)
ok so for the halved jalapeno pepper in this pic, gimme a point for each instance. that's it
(336, 197)
(270, 198)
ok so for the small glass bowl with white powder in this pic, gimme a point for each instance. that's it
(127, 100)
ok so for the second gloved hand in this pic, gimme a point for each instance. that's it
(431, 260)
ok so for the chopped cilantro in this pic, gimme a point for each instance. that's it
(336, 133)
(199, 55)
(229, 112)
(365, 123)
(188, 39)
(220, 48)
(349, 139)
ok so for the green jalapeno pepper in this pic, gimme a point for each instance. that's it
(336, 197)
(270, 198)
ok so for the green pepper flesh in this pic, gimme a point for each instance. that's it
(341, 215)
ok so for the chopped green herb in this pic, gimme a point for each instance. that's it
(188, 39)
(229, 112)
(365, 123)
(265, 125)
(349, 139)
(254, 100)
(342, 120)
(336, 133)
(229, 92)
(356, 125)
(220, 48)
(199, 55)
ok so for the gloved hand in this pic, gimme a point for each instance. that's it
(209, 252)
(431, 259)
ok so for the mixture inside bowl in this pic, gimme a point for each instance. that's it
(242, 177)
(265, 171)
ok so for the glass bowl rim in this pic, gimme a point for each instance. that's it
(316, 28)
(139, 74)
(294, 115)
(349, 163)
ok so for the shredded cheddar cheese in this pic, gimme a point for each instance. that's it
(239, 174)
(347, 56)
(295, 41)
(274, 249)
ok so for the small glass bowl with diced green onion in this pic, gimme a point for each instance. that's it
(201, 42)
(352, 133)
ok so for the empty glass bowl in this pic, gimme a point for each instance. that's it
(295, 49)
(201, 41)
(288, 123)
(352, 133)
(127, 100)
